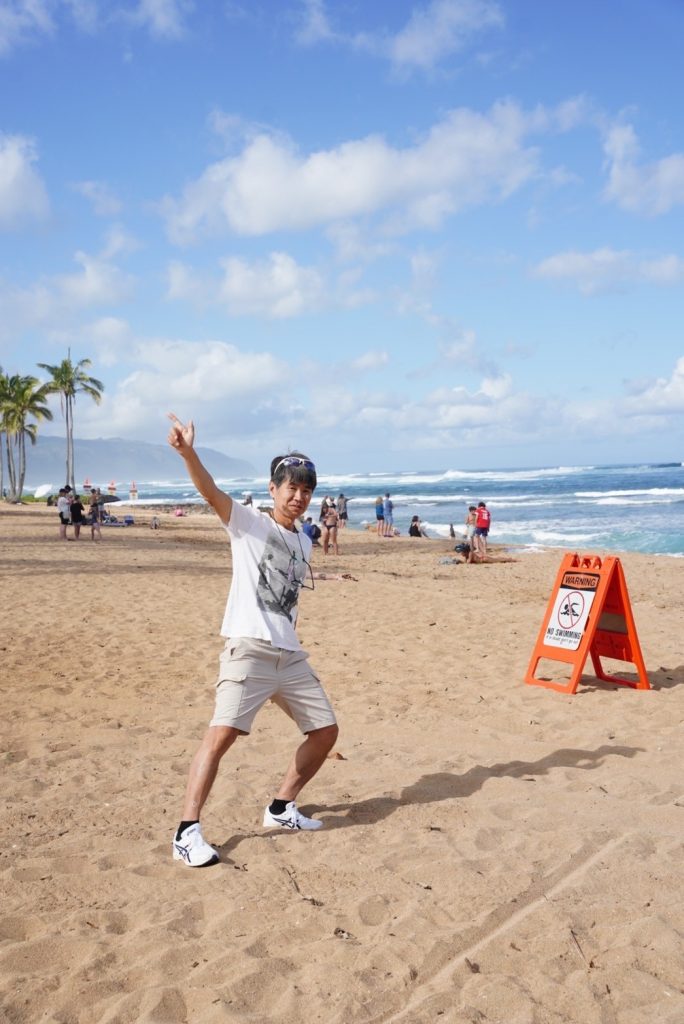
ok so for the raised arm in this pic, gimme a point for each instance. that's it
(182, 438)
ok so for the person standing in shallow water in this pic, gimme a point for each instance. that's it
(482, 523)
(380, 515)
(263, 658)
(388, 513)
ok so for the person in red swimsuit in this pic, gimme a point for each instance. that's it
(482, 524)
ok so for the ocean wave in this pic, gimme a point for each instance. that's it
(546, 536)
(678, 491)
(500, 475)
(634, 501)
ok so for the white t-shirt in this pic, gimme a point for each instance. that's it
(269, 565)
(63, 506)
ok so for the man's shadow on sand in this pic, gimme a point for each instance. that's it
(440, 786)
(449, 786)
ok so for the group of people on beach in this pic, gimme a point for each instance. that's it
(384, 516)
(477, 523)
(333, 516)
(72, 512)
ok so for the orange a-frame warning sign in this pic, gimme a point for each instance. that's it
(588, 613)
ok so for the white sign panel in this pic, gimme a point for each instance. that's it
(570, 613)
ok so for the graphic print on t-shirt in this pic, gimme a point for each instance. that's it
(281, 574)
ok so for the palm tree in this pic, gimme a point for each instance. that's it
(68, 379)
(3, 397)
(23, 398)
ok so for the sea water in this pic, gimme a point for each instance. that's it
(608, 508)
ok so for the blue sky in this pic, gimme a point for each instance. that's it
(398, 235)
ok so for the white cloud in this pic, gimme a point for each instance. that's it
(610, 269)
(20, 20)
(98, 282)
(85, 13)
(440, 29)
(118, 242)
(315, 25)
(278, 287)
(664, 396)
(164, 18)
(453, 417)
(22, 193)
(370, 361)
(54, 302)
(496, 388)
(246, 401)
(354, 244)
(184, 285)
(108, 340)
(650, 188)
(24, 21)
(465, 159)
(213, 381)
(104, 202)
(434, 31)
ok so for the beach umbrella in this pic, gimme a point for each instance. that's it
(43, 491)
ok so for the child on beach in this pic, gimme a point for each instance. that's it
(263, 658)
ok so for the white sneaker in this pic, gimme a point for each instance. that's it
(193, 849)
(291, 818)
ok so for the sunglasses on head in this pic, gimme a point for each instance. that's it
(295, 460)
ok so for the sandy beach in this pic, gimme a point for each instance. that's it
(492, 852)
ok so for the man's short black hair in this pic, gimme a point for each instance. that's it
(298, 474)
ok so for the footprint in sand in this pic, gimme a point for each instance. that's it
(374, 910)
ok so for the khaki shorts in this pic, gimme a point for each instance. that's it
(253, 671)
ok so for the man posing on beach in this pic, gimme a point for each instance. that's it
(262, 659)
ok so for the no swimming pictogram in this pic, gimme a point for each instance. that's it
(570, 611)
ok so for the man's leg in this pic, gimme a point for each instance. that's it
(217, 740)
(307, 759)
(473, 548)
